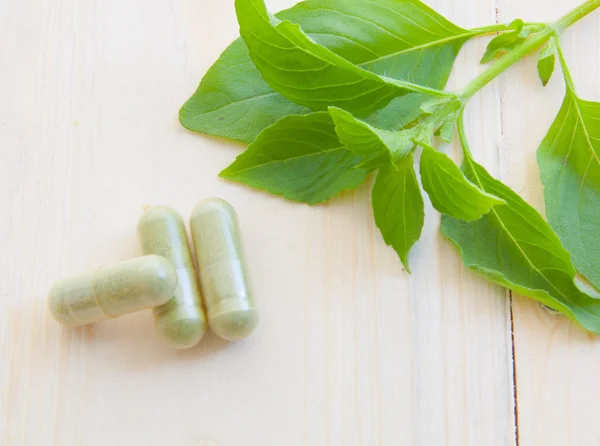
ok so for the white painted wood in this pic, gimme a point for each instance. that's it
(350, 351)
(557, 363)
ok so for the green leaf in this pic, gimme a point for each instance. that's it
(569, 160)
(505, 42)
(375, 145)
(442, 115)
(513, 246)
(304, 136)
(546, 62)
(450, 191)
(398, 113)
(406, 39)
(299, 158)
(308, 73)
(413, 43)
(447, 128)
(233, 101)
(398, 206)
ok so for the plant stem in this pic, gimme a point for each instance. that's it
(490, 29)
(576, 14)
(504, 63)
(563, 65)
(471, 33)
(460, 128)
(526, 47)
(503, 27)
(422, 89)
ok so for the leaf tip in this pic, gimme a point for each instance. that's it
(338, 114)
(227, 173)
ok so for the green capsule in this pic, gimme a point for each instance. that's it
(112, 290)
(180, 322)
(223, 275)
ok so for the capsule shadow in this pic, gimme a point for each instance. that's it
(128, 342)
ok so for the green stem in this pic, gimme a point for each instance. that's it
(504, 63)
(563, 65)
(576, 14)
(426, 90)
(490, 29)
(527, 47)
(503, 27)
(460, 128)
(471, 33)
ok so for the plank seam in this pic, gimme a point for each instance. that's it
(510, 293)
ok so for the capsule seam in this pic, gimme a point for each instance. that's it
(96, 294)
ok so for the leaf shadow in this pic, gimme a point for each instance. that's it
(220, 140)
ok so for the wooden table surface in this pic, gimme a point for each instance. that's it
(351, 350)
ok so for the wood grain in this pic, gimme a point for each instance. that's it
(351, 350)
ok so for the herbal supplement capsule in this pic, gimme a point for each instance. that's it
(231, 311)
(180, 322)
(112, 290)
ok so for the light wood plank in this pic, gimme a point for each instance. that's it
(557, 363)
(350, 350)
